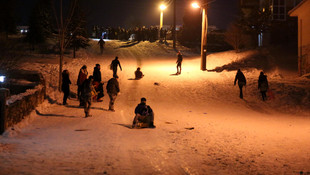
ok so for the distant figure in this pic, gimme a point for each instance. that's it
(98, 85)
(263, 85)
(144, 116)
(65, 86)
(114, 64)
(81, 78)
(112, 90)
(101, 43)
(138, 74)
(241, 81)
(179, 63)
(87, 94)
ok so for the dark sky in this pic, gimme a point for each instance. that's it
(146, 12)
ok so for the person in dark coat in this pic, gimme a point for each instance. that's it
(112, 90)
(179, 63)
(101, 43)
(87, 94)
(65, 87)
(138, 74)
(114, 64)
(241, 81)
(144, 115)
(98, 83)
(263, 85)
(81, 78)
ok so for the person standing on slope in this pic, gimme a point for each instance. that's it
(241, 81)
(114, 64)
(112, 90)
(179, 63)
(263, 85)
(65, 87)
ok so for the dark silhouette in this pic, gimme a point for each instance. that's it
(101, 43)
(241, 81)
(112, 90)
(144, 116)
(263, 85)
(65, 87)
(138, 74)
(87, 94)
(114, 64)
(98, 85)
(179, 63)
(81, 78)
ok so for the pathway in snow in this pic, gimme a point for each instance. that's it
(202, 125)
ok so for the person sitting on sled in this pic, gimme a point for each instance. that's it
(144, 116)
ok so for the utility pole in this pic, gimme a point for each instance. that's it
(204, 32)
(174, 24)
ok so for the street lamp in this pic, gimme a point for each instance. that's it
(204, 31)
(162, 7)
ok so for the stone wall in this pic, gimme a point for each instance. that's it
(20, 105)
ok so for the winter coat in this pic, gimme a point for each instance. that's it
(180, 59)
(65, 82)
(87, 88)
(241, 78)
(113, 86)
(143, 109)
(97, 74)
(115, 63)
(138, 74)
(101, 42)
(263, 83)
(82, 76)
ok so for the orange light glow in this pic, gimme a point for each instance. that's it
(195, 5)
(162, 7)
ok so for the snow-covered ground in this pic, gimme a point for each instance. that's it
(202, 127)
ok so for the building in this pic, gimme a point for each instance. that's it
(277, 18)
(302, 12)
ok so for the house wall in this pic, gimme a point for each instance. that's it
(303, 14)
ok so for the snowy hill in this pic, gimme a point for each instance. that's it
(202, 126)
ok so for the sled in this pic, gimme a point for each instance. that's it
(270, 94)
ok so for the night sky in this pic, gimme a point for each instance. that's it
(146, 12)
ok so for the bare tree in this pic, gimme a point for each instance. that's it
(63, 22)
(235, 37)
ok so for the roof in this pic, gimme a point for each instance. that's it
(296, 7)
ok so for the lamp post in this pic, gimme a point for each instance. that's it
(204, 32)
(162, 7)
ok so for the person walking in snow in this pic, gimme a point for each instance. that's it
(65, 87)
(114, 64)
(112, 90)
(81, 78)
(263, 85)
(241, 81)
(144, 115)
(101, 43)
(98, 83)
(138, 74)
(87, 94)
(179, 63)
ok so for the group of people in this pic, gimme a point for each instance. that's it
(140, 33)
(262, 83)
(90, 88)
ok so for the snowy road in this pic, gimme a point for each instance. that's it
(202, 127)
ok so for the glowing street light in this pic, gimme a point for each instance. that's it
(195, 5)
(162, 7)
(204, 31)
